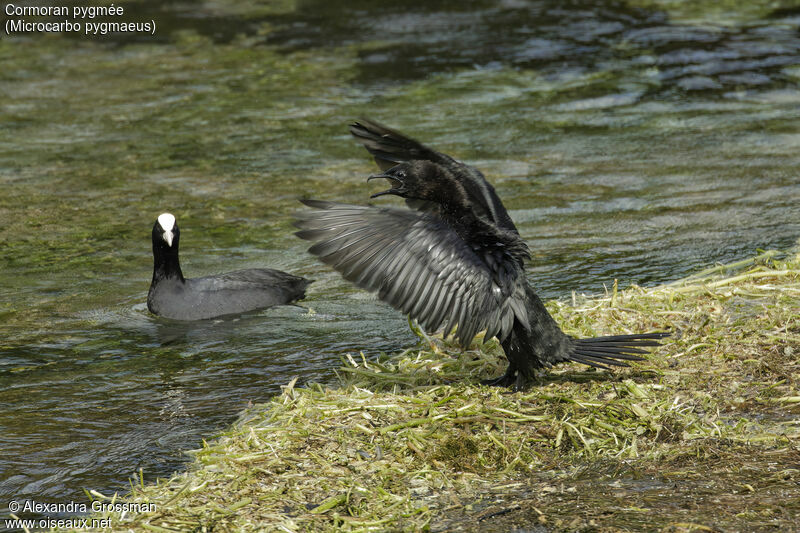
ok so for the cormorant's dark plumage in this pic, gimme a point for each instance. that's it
(173, 296)
(455, 259)
(389, 148)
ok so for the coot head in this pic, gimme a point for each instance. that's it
(166, 233)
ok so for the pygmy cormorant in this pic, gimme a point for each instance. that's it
(455, 258)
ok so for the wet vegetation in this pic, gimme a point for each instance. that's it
(702, 436)
(640, 140)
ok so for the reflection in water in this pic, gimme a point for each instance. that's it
(626, 144)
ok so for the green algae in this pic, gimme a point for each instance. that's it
(219, 120)
(700, 437)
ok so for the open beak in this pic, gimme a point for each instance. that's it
(168, 235)
(394, 181)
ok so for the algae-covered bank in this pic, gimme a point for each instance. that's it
(703, 436)
(641, 140)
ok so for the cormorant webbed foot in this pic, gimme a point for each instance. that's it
(506, 380)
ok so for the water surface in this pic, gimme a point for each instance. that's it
(628, 140)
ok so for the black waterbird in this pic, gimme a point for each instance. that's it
(455, 258)
(173, 296)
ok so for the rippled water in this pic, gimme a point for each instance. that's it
(638, 141)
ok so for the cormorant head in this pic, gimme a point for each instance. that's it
(417, 179)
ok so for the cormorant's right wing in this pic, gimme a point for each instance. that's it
(417, 264)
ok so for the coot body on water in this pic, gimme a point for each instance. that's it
(173, 296)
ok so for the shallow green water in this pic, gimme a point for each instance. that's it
(628, 141)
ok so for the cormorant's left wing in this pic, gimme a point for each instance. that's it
(390, 147)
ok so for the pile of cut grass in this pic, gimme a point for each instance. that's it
(702, 436)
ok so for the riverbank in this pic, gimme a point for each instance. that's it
(703, 436)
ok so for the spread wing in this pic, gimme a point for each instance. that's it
(417, 264)
(390, 147)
